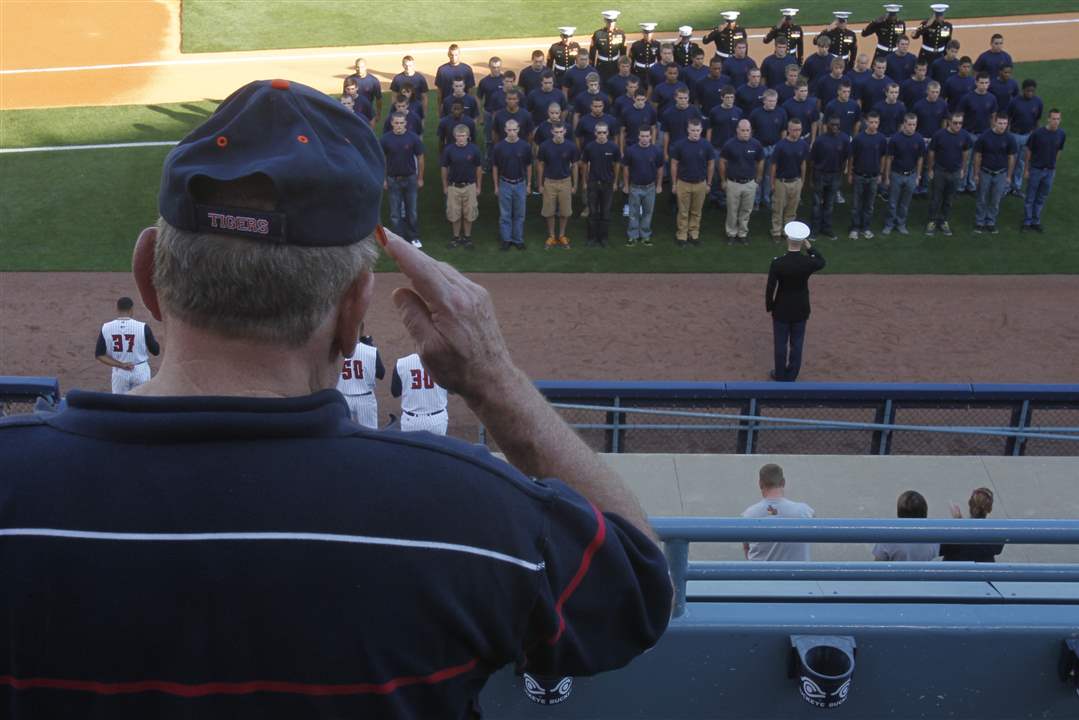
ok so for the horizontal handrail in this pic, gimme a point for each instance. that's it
(883, 571)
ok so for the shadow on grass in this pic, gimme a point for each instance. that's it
(194, 115)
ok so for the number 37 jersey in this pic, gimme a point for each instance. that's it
(420, 394)
(124, 341)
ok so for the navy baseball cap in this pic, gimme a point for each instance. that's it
(326, 166)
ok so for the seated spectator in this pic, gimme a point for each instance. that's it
(911, 504)
(775, 504)
(981, 504)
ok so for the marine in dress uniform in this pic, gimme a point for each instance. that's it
(888, 29)
(644, 52)
(793, 33)
(608, 44)
(844, 40)
(725, 37)
(935, 34)
(786, 297)
(685, 49)
(563, 54)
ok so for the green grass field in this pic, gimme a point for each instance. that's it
(324, 23)
(82, 209)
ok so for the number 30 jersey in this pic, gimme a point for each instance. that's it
(358, 373)
(125, 340)
(420, 394)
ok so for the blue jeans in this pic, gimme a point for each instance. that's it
(488, 139)
(968, 172)
(991, 189)
(865, 194)
(1041, 182)
(899, 195)
(764, 189)
(1020, 144)
(642, 203)
(825, 186)
(402, 193)
(511, 211)
(942, 191)
(788, 335)
(923, 179)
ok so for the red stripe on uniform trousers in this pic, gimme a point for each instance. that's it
(582, 570)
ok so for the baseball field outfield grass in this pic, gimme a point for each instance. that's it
(211, 25)
(82, 209)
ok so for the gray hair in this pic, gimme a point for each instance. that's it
(252, 290)
(591, 77)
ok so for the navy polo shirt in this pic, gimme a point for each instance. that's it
(601, 159)
(891, 116)
(749, 98)
(401, 152)
(557, 159)
(956, 88)
(873, 91)
(977, 111)
(830, 152)
(522, 116)
(849, 113)
(774, 69)
(616, 84)
(447, 73)
(900, 68)
(911, 91)
(948, 147)
(413, 123)
(586, 127)
(1024, 114)
(471, 107)
(488, 91)
(693, 159)
(538, 102)
(448, 123)
(675, 122)
(995, 149)
(462, 162)
(768, 125)
(930, 116)
(742, 158)
(708, 92)
(738, 69)
(633, 120)
(643, 163)
(827, 87)
(806, 111)
(905, 151)
(817, 66)
(582, 104)
(419, 83)
(512, 159)
(941, 69)
(788, 158)
(723, 122)
(574, 79)
(1004, 92)
(991, 62)
(1044, 145)
(663, 94)
(867, 152)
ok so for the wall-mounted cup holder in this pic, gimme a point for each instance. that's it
(824, 668)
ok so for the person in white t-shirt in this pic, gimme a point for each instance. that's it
(774, 504)
(910, 504)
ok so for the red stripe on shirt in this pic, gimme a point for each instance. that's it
(582, 570)
(188, 690)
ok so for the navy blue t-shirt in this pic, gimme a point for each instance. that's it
(462, 162)
(873, 91)
(1004, 92)
(948, 147)
(768, 125)
(643, 163)
(369, 86)
(1024, 114)
(601, 159)
(906, 150)
(675, 122)
(663, 94)
(806, 111)
(827, 87)
(447, 73)
(788, 158)
(362, 107)
(530, 79)
(867, 152)
(693, 159)
(633, 120)
(995, 149)
(738, 69)
(900, 68)
(774, 69)
(931, 115)
(991, 62)
(956, 88)
(448, 123)
(418, 81)
(488, 91)
(582, 103)
(401, 152)
(1044, 145)
(817, 66)
(784, 93)
(830, 152)
(538, 102)
(586, 127)
(543, 133)
(708, 92)
(723, 122)
(692, 76)
(468, 103)
(413, 123)
(742, 158)
(512, 159)
(616, 84)
(891, 116)
(857, 82)
(977, 111)
(911, 91)
(942, 68)
(522, 116)
(557, 159)
(749, 98)
(849, 113)
(574, 80)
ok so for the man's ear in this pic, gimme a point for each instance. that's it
(350, 313)
(142, 267)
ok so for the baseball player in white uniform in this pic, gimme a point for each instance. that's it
(125, 345)
(357, 382)
(423, 401)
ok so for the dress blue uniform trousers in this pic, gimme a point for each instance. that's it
(788, 335)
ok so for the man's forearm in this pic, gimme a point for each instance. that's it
(538, 442)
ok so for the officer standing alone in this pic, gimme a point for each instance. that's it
(608, 44)
(786, 297)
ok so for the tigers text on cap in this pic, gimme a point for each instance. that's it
(685, 31)
(841, 14)
(648, 27)
(567, 30)
(796, 230)
(893, 7)
(324, 163)
(611, 14)
(939, 8)
(730, 15)
(789, 12)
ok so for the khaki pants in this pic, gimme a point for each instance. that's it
(785, 203)
(740, 198)
(690, 203)
(462, 203)
(557, 198)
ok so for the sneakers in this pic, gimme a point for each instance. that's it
(631, 242)
(564, 242)
(680, 243)
(695, 242)
(647, 242)
(416, 243)
(839, 199)
(867, 234)
(584, 213)
(625, 210)
(743, 241)
(504, 246)
(903, 230)
(946, 228)
(992, 229)
(1024, 228)
(853, 235)
(466, 241)
(519, 246)
(730, 240)
(551, 242)
(452, 244)
(931, 228)
(1037, 227)
(979, 229)
(886, 230)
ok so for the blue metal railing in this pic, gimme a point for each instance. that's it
(678, 532)
(29, 389)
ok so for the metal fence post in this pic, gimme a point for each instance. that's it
(882, 439)
(678, 560)
(752, 429)
(617, 419)
(1020, 420)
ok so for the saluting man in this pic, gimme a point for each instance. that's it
(686, 48)
(844, 40)
(793, 33)
(935, 34)
(727, 36)
(608, 44)
(645, 52)
(563, 54)
(888, 29)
